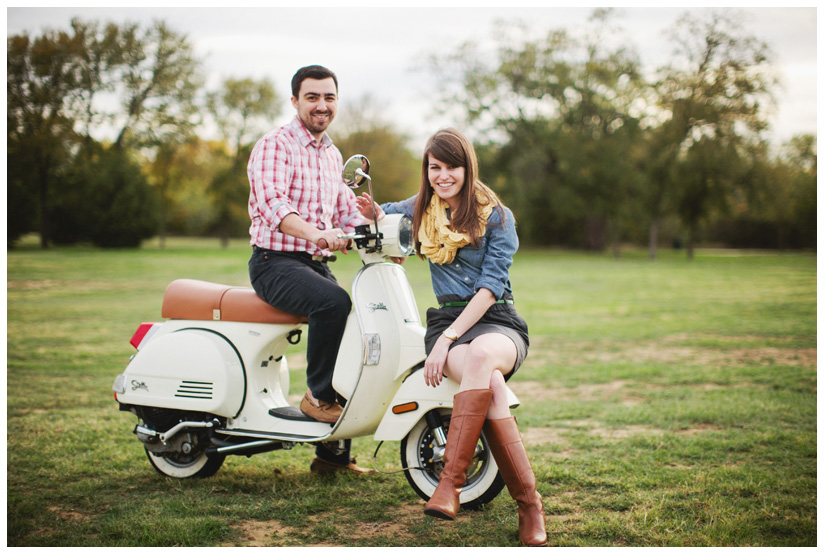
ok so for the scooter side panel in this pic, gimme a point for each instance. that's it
(350, 357)
(394, 427)
(187, 370)
(384, 307)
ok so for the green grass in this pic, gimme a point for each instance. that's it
(667, 403)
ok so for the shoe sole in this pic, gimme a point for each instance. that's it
(319, 420)
(438, 514)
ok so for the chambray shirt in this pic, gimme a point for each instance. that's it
(486, 266)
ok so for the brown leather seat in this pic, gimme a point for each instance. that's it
(191, 299)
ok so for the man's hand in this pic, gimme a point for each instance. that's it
(328, 239)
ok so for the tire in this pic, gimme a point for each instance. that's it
(186, 456)
(181, 466)
(484, 482)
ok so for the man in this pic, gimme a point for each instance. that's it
(299, 205)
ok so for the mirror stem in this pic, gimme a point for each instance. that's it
(374, 213)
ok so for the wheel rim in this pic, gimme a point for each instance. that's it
(422, 469)
(430, 459)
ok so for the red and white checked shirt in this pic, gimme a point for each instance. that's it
(291, 173)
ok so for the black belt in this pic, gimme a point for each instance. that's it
(297, 254)
(465, 303)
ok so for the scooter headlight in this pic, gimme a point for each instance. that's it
(398, 235)
(405, 236)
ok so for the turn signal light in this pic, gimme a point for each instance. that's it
(406, 407)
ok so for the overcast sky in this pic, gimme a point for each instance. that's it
(376, 50)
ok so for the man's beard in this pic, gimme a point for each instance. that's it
(315, 127)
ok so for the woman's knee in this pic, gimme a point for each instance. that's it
(489, 352)
(480, 354)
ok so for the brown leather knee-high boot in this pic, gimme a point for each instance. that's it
(511, 457)
(469, 412)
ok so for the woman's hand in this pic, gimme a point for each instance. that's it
(435, 363)
(365, 206)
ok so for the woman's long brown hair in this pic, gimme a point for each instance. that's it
(450, 146)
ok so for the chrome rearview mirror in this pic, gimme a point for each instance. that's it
(356, 171)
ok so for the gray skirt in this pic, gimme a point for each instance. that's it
(499, 318)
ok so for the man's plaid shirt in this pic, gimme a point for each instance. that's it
(291, 173)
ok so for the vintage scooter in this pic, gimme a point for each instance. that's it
(212, 380)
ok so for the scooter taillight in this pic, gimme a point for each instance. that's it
(143, 333)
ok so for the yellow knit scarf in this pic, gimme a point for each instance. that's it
(439, 242)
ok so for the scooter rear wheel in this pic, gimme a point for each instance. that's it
(422, 467)
(184, 466)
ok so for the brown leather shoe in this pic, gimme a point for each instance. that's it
(320, 466)
(322, 411)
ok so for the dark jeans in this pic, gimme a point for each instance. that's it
(295, 283)
(302, 286)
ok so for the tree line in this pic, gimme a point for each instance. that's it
(588, 149)
(592, 152)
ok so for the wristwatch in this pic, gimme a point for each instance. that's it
(450, 334)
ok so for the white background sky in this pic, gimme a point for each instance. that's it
(376, 50)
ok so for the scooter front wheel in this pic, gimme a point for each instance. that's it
(185, 466)
(422, 463)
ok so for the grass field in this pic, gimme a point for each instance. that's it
(670, 403)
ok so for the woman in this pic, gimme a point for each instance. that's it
(476, 337)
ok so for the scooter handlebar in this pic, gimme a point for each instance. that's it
(322, 243)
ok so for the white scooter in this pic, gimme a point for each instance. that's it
(212, 380)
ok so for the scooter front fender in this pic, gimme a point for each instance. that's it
(413, 400)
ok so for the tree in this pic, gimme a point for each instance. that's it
(104, 198)
(40, 75)
(158, 82)
(243, 109)
(712, 94)
(190, 205)
(100, 55)
(362, 129)
(705, 178)
(787, 198)
(53, 85)
(800, 156)
(565, 112)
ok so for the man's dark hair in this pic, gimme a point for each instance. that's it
(311, 72)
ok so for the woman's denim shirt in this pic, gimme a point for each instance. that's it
(487, 265)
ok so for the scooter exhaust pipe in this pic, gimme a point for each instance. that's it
(251, 448)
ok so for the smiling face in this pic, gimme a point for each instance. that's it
(317, 104)
(446, 180)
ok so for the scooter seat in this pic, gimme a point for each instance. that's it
(191, 299)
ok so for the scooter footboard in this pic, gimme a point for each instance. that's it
(413, 400)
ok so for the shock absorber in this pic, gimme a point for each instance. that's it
(436, 426)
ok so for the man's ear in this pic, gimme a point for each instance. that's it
(294, 102)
